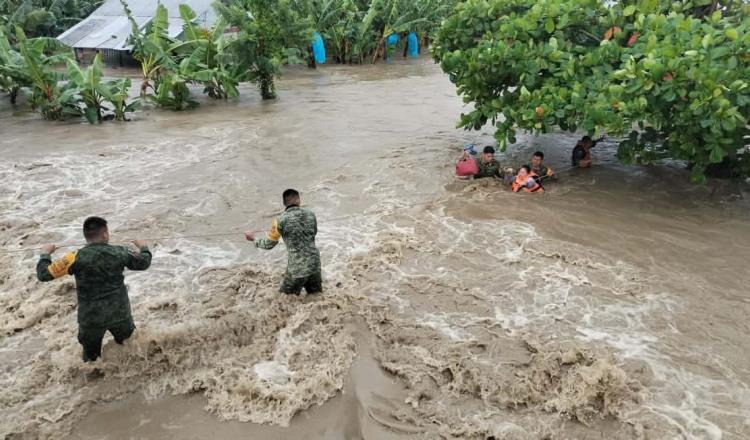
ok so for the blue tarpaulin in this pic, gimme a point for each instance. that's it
(392, 39)
(413, 44)
(319, 49)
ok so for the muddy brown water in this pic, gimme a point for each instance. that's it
(615, 305)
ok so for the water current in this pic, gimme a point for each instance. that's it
(613, 306)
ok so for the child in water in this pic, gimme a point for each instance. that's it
(526, 180)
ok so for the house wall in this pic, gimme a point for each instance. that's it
(110, 57)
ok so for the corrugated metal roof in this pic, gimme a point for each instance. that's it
(108, 27)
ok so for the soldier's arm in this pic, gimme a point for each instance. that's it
(140, 260)
(47, 270)
(273, 237)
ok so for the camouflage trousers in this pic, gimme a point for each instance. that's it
(91, 337)
(311, 283)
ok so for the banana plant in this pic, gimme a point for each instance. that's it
(54, 102)
(12, 72)
(172, 92)
(151, 47)
(206, 58)
(116, 92)
(90, 88)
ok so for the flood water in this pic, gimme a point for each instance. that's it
(613, 306)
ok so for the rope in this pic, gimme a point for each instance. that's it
(177, 237)
(219, 234)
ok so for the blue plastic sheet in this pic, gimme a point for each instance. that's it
(392, 39)
(413, 45)
(319, 49)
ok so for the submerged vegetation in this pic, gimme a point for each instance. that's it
(670, 79)
(44, 18)
(250, 41)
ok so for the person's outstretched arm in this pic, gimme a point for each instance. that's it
(47, 270)
(140, 260)
(266, 243)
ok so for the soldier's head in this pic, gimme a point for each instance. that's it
(488, 154)
(536, 159)
(291, 198)
(95, 230)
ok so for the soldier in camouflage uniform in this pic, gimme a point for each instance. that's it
(298, 227)
(489, 167)
(103, 303)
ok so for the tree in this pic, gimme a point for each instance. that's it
(671, 77)
(271, 34)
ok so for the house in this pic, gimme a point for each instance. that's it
(107, 29)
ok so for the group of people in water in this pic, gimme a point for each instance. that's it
(103, 302)
(527, 178)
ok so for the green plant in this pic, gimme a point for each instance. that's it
(44, 17)
(53, 101)
(12, 71)
(172, 92)
(151, 47)
(671, 77)
(206, 57)
(89, 87)
(271, 34)
(116, 92)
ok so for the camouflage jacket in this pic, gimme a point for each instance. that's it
(298, 227)
(490, 169)
(97, 268)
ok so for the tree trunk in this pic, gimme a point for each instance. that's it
(311, 64)
(266, 85)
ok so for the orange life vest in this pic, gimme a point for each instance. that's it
(520, 183)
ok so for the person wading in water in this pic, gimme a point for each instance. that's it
(297, 227)
(103, 303)
(581, 156)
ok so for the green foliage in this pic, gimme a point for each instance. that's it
(674, 84)
(206, 57)
(44, 17)
(93, 94)
(151, 47)
(172, 92)
(52, 101)
(34, 66)
(355, 30)
(270, 35)
(89, 86)
(12, 72)
(116, 92)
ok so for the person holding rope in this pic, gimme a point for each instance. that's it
(488, 166)
(297, 227)
(103, 303)
(541, 170)
(581, 156)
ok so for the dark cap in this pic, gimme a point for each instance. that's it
(489, 150)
